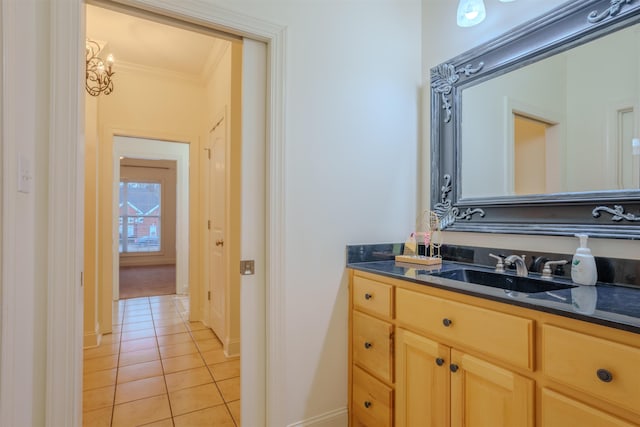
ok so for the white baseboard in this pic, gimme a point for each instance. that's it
(232, 348)
(336, 418)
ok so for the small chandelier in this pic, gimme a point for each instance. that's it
(98, 71)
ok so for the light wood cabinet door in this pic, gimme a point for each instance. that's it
(422, 381)
(561, 411)
(483, 394)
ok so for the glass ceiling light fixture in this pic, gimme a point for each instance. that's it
(99, 72)
(471, 12)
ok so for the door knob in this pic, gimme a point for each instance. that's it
(219, 242)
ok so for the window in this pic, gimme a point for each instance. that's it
(140, 208)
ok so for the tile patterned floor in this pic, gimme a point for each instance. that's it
(158, 369)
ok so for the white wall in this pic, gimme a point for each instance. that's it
(352, 109)
(442, 39)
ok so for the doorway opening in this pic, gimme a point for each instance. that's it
(170, 99)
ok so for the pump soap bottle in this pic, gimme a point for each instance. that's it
(583, 266)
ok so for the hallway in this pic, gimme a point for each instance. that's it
(159, 369)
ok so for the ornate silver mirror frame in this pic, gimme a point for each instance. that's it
(611, 214)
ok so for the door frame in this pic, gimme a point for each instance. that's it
(66, 110)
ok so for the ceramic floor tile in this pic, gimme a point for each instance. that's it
(195, 326)
(139, 371)
(234, 408)
(209, 344)
(136, 312)
(140, 412)
(175, 350)
(182, 363)
(164, 423)
(189, 378)
(133, 302)
(217, 416)
(104, 349)
(225, 370)
(203, 334)
(164, 340)
(168, 322)
(98, 398)
(166, 314)
(99, 379)
(97, 418)
(140, 344)
(136, 335)
(136, 305)
(137, 326)
(140, 389)
(230, 389)
(139, 318)
(168, 330)
(162, 298)
(214, 356)
(139, 356)
(194, 398)
(100, 363)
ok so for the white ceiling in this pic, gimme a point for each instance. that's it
(139, 41)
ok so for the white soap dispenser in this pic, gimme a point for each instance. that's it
(583, 266)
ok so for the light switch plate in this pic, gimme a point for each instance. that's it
(247, 267)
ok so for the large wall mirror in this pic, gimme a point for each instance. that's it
(538, 131)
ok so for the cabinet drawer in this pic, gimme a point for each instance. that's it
(596, 366)
(372, 401)
(372, 296)
(373, 345)
(504, 336)
(562, 411)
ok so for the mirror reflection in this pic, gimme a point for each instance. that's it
(568, 123)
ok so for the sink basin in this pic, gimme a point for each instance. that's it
(502, 281)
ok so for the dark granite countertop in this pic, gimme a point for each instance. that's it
(605, 304)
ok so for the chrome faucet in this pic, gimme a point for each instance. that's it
(521, 266)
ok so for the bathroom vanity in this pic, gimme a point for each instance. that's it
(426, 350)
(462, 345)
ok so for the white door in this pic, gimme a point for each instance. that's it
(217, 208)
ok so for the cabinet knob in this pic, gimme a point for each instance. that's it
(446, 322)
(439, 361)
(368, 345)
(368, 296)
(367, 404)
(453, 367)
(604, 375)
